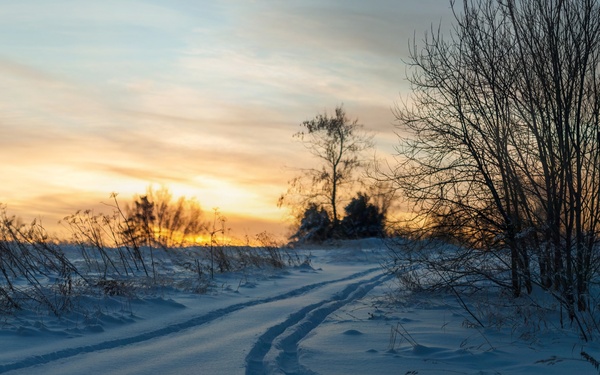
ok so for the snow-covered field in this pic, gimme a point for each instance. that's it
(342, 314)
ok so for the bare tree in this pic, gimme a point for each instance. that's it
(338, 143)
(502, 139)
(156, 219)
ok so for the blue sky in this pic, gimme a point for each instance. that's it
(200, 96)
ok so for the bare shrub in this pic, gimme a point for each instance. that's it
(106, 244)
(501, 151)
(265, 251)
(33, 269)
(156, 219)
(113, 260)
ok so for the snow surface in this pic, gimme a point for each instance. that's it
(341, 315)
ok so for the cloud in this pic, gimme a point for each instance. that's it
(203, 97)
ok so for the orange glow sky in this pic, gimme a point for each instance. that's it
(200, 96)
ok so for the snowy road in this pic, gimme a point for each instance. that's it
(281, 340)
(256, 336)
(341, 316)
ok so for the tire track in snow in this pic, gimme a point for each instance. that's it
(173, 328)
(286, 335)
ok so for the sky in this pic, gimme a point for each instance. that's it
(201, 97)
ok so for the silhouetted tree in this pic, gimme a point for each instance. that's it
(315, 225)
(155, 219)
(502, 139)
(178, 222)
(140, 220)
(338, 143)
(363, 219)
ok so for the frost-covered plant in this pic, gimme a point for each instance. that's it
(106, 243)
(33, 269)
